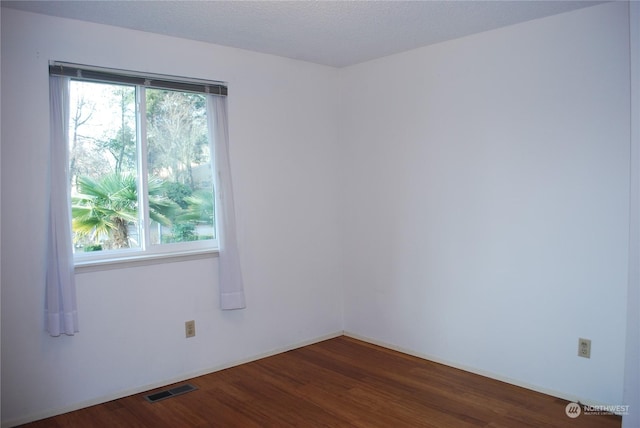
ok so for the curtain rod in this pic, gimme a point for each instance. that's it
(109, 75)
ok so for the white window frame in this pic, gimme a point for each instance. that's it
(147, 253)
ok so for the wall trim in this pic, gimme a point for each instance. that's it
(280, 350)
(477, 371)
(133, 391)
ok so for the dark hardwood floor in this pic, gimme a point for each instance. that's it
(340, 382)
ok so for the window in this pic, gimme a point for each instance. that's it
(140, 165)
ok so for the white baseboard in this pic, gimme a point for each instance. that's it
(81, 405)
(477, 371)
(187, 376)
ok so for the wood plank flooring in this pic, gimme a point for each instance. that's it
(340, 382)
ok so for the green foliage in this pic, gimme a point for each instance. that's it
(200, 208)
(104, 208)
(181, 232)
(177, 192)
(197, 209)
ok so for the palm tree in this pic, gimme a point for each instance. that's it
(106, 207)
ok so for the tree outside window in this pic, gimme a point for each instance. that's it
(138, 156)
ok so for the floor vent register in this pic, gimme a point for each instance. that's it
(168, 393)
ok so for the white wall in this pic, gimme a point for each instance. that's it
(283, 137)
(487, 201)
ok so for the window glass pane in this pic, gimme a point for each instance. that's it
(180, 192)
(103, 166)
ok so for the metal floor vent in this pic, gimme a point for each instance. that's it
(178, 390)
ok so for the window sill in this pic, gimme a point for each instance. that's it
(85, 266)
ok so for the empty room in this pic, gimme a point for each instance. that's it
(325, 213)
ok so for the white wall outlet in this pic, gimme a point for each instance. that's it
(584, 348)
(190, 328)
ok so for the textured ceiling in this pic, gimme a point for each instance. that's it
(334, 33)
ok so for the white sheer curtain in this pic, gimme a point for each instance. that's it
(61, 314)
(229, 270)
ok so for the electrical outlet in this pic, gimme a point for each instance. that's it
(584, 348)
(190, 328)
